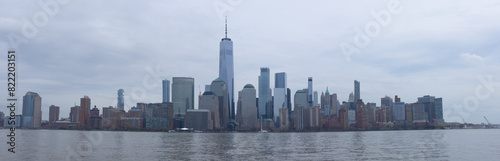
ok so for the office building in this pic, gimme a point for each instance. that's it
(95, 119)
(219, 88)
(32, 110)
(84, 113)
(53, 114)
(121, 103)
(386, 102)
(398, 112)
(264, 93)
(357, 94)
(226, 69)
(166, 90)
(280, 90)
(182, 95)
(300, 98)
(74, 113)
(199, 119)
(160, 116)
(429, 106)
(248, 107)
(418, 113)
(209, 101)
(309, 92)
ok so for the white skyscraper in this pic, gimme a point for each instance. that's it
(226, 69)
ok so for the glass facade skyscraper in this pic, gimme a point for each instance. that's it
(182, 95)
(310, 91)
(356, 91)
(264, 92)
(120, 105)
(226, 68)
(280, 91)
(32, 110)
(166, 90)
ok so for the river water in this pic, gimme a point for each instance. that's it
(467, 144)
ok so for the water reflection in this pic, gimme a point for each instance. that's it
(376, 145)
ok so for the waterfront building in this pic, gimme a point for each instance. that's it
(409, 113)
(53, 114)
(111, 117)
(418, 113)
(398, 113)
(199, 119)
(298, 112)
(182, 95)
(248, 107)
(160, 116)
(209, 101)
(311, 117)
(74, 113)
(438, 111)
(95, 119)
(284, 119)
(32, 110)
(84, 113)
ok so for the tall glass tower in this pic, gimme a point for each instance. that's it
(182, 95)
(166, 90)
(226, 68)
(32, 110)
(356, 91)
(279, 94)
(264, 93)
(120, 105)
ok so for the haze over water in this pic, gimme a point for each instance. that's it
(482, 144)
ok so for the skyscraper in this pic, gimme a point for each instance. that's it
(166, 90)
(279, 94)
(386, 102)
(182, 95)
(53, 114)
(356, 91)
(32, 110)
(226, 68)
(219, 88)
(121, 103)
(264, 92)
(248, 107)
(210, 101)
(84, 114)
(309, 92)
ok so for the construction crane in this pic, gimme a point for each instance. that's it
(487, 122)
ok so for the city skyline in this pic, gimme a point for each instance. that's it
(445, 61)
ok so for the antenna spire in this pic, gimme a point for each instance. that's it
(226, 26)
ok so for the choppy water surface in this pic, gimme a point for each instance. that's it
(482, 144)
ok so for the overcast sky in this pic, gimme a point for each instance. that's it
(447, 49)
